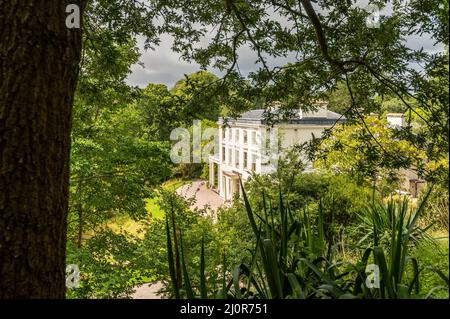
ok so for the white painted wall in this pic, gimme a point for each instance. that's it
(395, 119)
(236, 148)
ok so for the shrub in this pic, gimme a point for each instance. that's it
(292, 258)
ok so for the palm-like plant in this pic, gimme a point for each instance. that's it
(293, 259)
(382, 222)
(396, 224)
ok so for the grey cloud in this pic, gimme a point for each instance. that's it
(159, 66)
(165, 66)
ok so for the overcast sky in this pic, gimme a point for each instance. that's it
(164, 66)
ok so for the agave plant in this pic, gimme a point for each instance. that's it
(293, 259)
(383, 221)
(275, 269)
(401, 223)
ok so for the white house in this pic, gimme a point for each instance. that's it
(410, 180)
(396, 120)
(249, 144)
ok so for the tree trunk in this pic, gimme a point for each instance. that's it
(80, 227)
(39, 58)
(177, 247)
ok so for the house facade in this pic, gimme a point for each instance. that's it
(410, 180)
(249, 144)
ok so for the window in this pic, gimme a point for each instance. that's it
(253, 162)
(230, 157)
(268, 141)
(223, 132)
(245, 160)
(244, 132)
(223, 154)
(237, 136)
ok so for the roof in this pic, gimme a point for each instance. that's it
(395, 115)
(321, 116)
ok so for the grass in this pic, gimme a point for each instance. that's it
(174, 184)
(125, 223)
(152, 206)
(436, 256)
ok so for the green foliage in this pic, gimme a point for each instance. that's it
(332, 44)
(331, 47)
(161, 117)
(308, 190)
(120, 154)
(339, 99)
(434, 274)
(195, 99)
(191, 99)
(438, 208)
(392, 105)
(120, 149)
(199, 170)
(111, 158)
(396, 224)
(195, 232)
(293, 259)
(353, 150)
(383, 222)
(114, 167)
(110, 265)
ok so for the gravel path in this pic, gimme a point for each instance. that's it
(204, 197)
(148, 291)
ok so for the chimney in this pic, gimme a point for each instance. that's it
(396, 120)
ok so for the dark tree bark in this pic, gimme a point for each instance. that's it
(80, 226)
(39, 59)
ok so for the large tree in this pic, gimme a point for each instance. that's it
(331, 44)
(39, 58)
(192, 98)
(39, 68)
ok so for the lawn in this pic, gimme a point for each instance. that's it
(153, 208)
(125, 223)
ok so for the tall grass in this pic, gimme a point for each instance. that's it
(292, 258)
